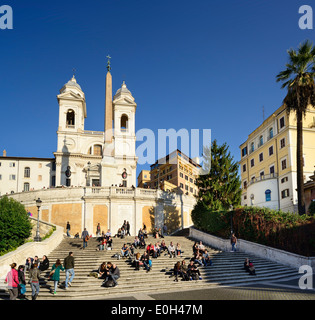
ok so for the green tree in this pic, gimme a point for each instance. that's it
(298, 78)
(219, 185)
(15, 225)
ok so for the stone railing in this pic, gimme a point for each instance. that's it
(30, 249)
(273, 254)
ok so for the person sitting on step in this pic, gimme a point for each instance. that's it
(102, 271)
(150, 249)
(136, 242)
(171, 250)
(193, 272)
(124, 251)
(206, 260)
(201, 247)
(163, 246)
(178, 250)
(198, 258)
(184, 271)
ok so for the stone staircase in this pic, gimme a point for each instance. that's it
(226, 269)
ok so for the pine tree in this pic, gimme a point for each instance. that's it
(219, 185)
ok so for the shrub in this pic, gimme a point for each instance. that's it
(15, 226)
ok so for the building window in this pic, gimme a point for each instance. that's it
(68, 182)
(284, 164)
(262, 174)
(270, 133)
(285, 193)
(53, 181)
(268, 195)
(97, 150)
(244, 167)
(27, 172)
(181, 175)
(282, 143)
(281, 122)
(285, 179)
(186, 178)
(261, 141)
(124, 122)
(252, 162)
(186, 187)
(252, 147)
(12, 164)
(26, 186)
(39, 178)
(261, 157)
(271, 151)
(272, 170)
(12, 177)
(70, 118)
(245, 184)
(244, 151)
(181, 185)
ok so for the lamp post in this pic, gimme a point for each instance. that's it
(38, 204)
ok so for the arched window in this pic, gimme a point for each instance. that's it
(124, 122)
(27, 172)
(97, 150)
(268, 195)
(70, 118)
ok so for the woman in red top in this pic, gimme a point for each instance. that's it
(12, 279)
(150, 249)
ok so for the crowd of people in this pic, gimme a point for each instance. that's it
(34, 268)
(108, 271)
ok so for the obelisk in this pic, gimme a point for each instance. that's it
(108, 106)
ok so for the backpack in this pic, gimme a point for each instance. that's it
(109, 283)
(194, 276)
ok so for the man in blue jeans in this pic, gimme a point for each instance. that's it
(85, 234)
(68, 264)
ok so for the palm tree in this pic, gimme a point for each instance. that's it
(298, 78)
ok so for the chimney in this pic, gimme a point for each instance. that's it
(4, 153)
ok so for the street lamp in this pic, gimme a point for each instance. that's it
(38, 205)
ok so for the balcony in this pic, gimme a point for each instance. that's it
(263, 178)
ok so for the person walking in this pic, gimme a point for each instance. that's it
(128, 229)
(68, 264)
(85, 237)
(55, 274)
(68, 229)
(34, 275)
(233, 242)
(12, 279)
(98, 229)
(22, 282)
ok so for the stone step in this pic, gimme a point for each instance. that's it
(227, 268)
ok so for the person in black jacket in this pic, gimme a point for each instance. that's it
(68, 264)
(22, 283)
(44, 265)
(113, 273)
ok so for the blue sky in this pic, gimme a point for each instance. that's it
(189, 64)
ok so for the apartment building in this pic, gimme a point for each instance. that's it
(177, 169)
(268, 161)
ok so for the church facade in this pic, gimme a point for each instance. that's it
(92, 177)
